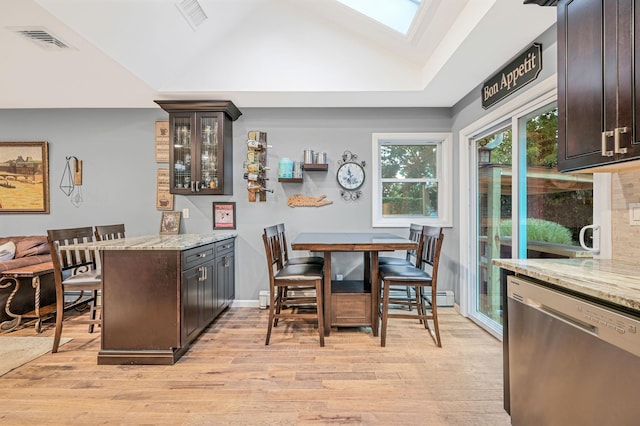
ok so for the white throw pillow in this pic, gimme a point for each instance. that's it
(7, 251)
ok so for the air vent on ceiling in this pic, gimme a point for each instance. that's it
(42, 37)
(192, 12)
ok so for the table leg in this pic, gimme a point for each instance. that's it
(35, 283)
(10, 325)
(327, 293)
(375, 293)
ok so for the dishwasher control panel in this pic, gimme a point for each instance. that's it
(613, 327)
(605, 319)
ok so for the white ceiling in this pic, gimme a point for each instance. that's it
(258, 53)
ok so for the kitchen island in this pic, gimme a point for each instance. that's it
(571, 340)
(160, 292)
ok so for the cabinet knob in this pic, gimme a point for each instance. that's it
(606, 135)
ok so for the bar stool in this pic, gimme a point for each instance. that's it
(73, 270)
(291, 277)
(411, 259)
(426, 275)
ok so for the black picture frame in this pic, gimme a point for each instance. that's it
(224, 215)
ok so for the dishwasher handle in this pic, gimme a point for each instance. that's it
(560, 316)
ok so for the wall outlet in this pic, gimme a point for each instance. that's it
(185, 213)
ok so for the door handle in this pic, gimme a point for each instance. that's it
(606, 135)
(616, 140)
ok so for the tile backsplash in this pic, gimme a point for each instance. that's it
(625, 239)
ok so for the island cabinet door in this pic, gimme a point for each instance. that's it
(141, 300)
(191, 302)
(198, 291)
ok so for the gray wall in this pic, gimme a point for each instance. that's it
(117, 149)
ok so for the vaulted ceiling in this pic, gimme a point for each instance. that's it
(258, 53)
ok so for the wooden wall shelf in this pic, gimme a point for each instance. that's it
(292, 180)
(315, 167)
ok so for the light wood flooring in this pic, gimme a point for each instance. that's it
(230, 377)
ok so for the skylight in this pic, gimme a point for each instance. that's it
(395, 14)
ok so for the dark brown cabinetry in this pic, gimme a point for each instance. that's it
(598, 71)
(156, 302)
(201, 146)
(199, 290)
(225, 273)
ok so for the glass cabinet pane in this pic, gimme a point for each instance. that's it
(209, 131)
(182, 153)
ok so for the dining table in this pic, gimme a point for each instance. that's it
(351, 303)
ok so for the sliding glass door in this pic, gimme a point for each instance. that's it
(524, 207)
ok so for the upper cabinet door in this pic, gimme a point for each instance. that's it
(597, 90)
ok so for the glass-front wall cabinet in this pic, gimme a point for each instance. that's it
(201, 154)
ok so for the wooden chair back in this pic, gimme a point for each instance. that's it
(273, 249)
(109, 232)
(415, 234)
(284, 248)
(430, 247)
(67, 263)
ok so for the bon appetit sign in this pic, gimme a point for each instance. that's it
(522, 70)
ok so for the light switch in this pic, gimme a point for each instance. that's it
(185, 213)
(634, 214)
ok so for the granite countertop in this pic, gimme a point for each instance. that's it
(154, 242)
(613, 281)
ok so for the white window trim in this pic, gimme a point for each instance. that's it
(445, 179)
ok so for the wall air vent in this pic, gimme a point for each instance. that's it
(42, 37)
(192, 12)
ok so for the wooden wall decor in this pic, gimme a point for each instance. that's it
(164, 197)
(162, 141)
(299, 200)
(255, 167)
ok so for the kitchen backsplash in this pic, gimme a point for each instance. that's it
(625, 189)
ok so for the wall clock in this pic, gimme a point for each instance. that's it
(350, 176)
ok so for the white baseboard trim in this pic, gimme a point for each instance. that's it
(244, 304)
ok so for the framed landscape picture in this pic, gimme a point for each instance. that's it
(24, 177)
(224, 215)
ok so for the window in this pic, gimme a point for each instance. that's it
(395, 14)
(411, 179)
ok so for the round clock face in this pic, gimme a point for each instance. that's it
(350, 176)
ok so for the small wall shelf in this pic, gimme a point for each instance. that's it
(292, 180)
(315, 167)
(311, 167)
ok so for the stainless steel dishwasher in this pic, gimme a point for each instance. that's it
(571, 361)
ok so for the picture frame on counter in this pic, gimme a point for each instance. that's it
(170, 223)
(224, 215)
(24, 177)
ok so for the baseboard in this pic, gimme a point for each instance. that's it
(244, 304)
